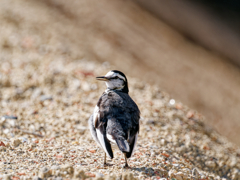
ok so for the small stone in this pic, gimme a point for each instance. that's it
(179, 173)
(68, 169)
(184, 176)
(7, 177)
(202, 176)
(163, 142)
(171, 173)
(23, 139)
(236, 174)
(75, 143)
(178, 177)
(78, 173)
(186, 170)
(195, 173)
(2, 144)
(55, 170)
(190, 114)
(6, 131)
(99, 175)
(16, 142)
(44, 172)
(45, 97)
(172, 101)
(128, 176)
(210, 164)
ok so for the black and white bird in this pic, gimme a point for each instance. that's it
(115, 119)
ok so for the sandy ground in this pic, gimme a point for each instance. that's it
(47, 80)
(45, 106)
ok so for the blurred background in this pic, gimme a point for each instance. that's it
(189, 48)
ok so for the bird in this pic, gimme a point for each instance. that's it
(115, 120)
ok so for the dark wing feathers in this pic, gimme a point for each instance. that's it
(131, 143)
(118, 114)
(106, 143)
(119, 106)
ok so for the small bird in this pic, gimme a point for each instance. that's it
(115, 119)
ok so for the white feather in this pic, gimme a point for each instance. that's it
(135, 142)
(94, 136)
(115, 84)
(102, 142)
(95, 115)
(109, 137)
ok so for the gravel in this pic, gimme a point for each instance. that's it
(46, 100)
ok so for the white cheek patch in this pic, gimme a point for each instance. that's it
(114, 83)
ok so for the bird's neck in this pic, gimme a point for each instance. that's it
(117, 89)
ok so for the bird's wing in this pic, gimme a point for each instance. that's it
(128, 115)
(132, 142)
(96, 116)
(135, 116)
(93, 130)
(100, 127)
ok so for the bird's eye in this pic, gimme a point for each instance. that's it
(115, 77)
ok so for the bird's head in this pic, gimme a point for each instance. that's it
(115, 80)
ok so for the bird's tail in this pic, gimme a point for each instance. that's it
(123, 145)
(114, 128)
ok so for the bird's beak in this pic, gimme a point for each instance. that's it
(102, 78)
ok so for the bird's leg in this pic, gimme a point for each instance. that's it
(128, 136)
(104, 163)
(126, 164)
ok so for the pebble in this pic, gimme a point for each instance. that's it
(16, 142)
(99, 175)
(172, 173)
(44, 172)
(45, 97)
(210, 164)
(195, 173)
(78, 173)
(178, 177)
(55, 170)
(67, 169)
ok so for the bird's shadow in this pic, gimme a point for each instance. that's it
(146, 171)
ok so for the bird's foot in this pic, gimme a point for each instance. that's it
(126, 166)
(105, 164)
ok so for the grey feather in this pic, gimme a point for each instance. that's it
(118, 115)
